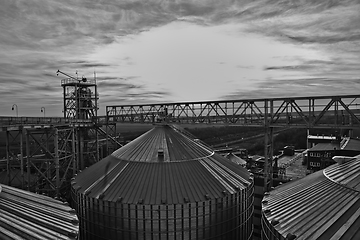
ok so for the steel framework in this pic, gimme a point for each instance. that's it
(340, 112)
(71, 143)
(42, 154)
(40, 159)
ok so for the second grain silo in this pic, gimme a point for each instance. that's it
(164, 185)
(323, 205)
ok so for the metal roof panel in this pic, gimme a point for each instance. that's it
(191, 172)
(26, 215)
(323, 205)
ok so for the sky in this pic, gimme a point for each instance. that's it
(176, 50)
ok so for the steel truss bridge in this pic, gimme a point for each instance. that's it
(339, 112)
(49, 148)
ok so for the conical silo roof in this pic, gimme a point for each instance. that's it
(323, 205)
(162, 166)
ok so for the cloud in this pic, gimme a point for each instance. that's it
(116, 86)
(291, 68)
(39, 37)
(300, 87)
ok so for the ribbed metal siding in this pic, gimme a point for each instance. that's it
(229, 217)
(26, 215)
(323, 205)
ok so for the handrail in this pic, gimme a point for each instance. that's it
(5, 120)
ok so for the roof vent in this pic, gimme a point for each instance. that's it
(161, 155)
(274, 222)
(101, 196)
(267, 211)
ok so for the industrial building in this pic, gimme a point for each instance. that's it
(164, 185)
(320, 155)
(323, 205)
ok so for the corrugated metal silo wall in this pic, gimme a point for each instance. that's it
(229, 217)
(268, 231)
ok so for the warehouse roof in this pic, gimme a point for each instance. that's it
(352, 144)
(325, 146)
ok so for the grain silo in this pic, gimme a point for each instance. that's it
(323, 205)
(27, 215)
(164, 185)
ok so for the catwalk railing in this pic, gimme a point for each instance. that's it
(15, 121)
(301, 112)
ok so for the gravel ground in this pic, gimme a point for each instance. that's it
(296, 170)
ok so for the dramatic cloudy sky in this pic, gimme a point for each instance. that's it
(176, 50)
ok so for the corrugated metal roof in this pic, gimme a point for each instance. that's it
(235, 159)
(352, 144)
(26, 215)
(175, 146)
(325, 147)
(189, 172)
(323, 205)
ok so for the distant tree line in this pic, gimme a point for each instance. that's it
(290, 137)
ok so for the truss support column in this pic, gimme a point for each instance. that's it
(80, 144)
(22, 158)
(269, 135)
(97, 146)
(74, 154)
(28, 159)
(8, 157)
(56, 160)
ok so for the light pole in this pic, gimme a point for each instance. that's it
(14, 106)
(43, 110)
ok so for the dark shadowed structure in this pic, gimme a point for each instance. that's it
(164, 185)
(27, 215)
(324, 205)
